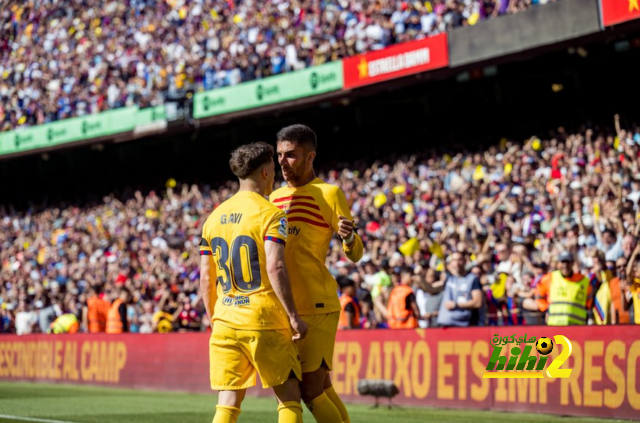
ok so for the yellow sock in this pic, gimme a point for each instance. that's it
(290, 412)
(323, 410)
(226, 414)
(335, 399)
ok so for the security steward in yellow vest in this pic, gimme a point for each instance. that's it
(117, 316)
(67, 323)
(349, 308)
(568, 294)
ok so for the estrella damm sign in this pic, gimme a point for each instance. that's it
(525, 361)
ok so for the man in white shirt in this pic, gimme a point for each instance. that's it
(25, 319)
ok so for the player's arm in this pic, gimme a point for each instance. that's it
(208, 278)
(279, 277)
(342, 223)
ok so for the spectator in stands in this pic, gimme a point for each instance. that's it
(117, 317)
(146, 318)
(462, 298)
(67, 323)
(617, 285)
(349, 308)
(94, 313)
(6, 322)
(26, 319)
(188, 317)
(429, 295)
(570, 291)
(632, 287)
(402, 310)
(47, 311)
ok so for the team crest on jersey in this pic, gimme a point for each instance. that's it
(284, 227)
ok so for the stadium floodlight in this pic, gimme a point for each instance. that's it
(378, 388)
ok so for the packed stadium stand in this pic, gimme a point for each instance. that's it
(510, 209)
(60, 59)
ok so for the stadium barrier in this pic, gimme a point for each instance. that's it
(94, 126)
(396, 61)
(616, 12)
(274, 89)
(434, 367)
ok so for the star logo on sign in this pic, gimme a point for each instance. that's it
(363, 67)
(633, 5)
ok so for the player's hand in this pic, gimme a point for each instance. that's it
(450, 305)
(299, 327)
(345, 227)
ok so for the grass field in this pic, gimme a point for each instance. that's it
(21, 402)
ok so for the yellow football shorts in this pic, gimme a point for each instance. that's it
(235, 355)
(319, 342)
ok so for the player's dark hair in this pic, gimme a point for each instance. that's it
(299, 134)
(248, 158)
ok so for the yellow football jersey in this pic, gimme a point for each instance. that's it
(235, 234)
(312, 212)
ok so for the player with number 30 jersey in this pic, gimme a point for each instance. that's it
(246, 292)
(237, 231)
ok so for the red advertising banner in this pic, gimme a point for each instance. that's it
(618, 11)
(436, 367)
(396, 61)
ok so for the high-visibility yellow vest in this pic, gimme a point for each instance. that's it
(114, 322)
(567, 301)
(67, 323)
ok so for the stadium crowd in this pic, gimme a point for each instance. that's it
(485, 225)
(62, 58)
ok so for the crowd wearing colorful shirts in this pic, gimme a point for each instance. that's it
(535, 231)
(63, 58)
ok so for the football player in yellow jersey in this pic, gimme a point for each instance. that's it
(247, 294)
(315, 210)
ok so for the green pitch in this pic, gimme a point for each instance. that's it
(20, 402)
